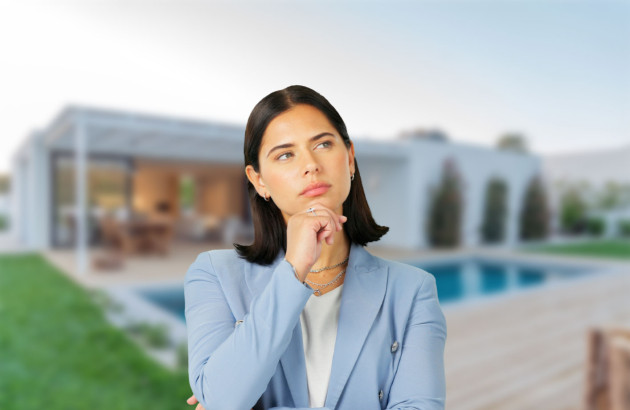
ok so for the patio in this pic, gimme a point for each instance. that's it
(137, 269)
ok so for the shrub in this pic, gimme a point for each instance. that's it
(182, 355)
(155, 335)
(495, 212)
(446, 208)
(624, 228)
(595, 226)
(573, 211)
(534, 221)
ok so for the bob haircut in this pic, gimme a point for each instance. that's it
(269, 225)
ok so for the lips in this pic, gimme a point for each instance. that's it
(315, 188)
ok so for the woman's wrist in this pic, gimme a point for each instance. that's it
(294, 271)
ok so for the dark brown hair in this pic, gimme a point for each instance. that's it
(269, 225)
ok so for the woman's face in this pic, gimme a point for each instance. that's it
(300, 148)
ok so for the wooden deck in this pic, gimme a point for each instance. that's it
(528, 351)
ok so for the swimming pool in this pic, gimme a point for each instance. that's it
(474, 278)
(457, 280)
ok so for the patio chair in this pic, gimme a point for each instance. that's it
(608, 369)
(119, 238)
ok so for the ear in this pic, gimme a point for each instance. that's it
(351, 158)
(256, 180)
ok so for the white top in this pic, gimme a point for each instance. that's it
(319, 320)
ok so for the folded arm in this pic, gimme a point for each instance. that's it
(230, 367)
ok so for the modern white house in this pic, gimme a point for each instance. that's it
(91, 161)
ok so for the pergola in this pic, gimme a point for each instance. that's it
(86, 131)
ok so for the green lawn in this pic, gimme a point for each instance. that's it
(58, 352)
(617, 249)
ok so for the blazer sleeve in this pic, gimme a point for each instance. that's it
(420, 382)
(230, 367)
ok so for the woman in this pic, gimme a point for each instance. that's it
(305, 316)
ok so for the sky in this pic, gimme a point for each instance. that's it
(556, 71)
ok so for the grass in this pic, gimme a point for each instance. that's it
(615, 249)
(57, 351)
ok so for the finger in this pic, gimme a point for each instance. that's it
(192, 400)
(330, 240)
(326, 230)
(340, 222)
(333, 216)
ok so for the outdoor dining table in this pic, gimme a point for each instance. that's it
(149, 235)
(138, 235)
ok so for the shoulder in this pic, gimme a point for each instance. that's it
(214, 262)
(405, 275)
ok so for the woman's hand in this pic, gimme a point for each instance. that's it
(193, 400)
(305, 233)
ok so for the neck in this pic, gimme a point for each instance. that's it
(335, 253)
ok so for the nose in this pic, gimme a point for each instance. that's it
(311, 166)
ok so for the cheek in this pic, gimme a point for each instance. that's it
(281, 181)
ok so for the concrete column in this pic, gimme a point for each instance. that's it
(80, 166)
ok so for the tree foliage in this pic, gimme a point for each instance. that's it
(445, 214)
(572, 211)
(495, 211)
(534, 221)
(5, 183)
(513, 142)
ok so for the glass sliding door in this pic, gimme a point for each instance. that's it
(108, 192)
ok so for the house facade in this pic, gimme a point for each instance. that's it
(90, 162)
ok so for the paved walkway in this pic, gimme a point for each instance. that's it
(8, 244)
(136, 270)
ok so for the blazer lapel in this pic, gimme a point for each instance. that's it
(294, 366)
(362, 297)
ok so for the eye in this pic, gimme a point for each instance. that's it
(284, 156)
(326, 144)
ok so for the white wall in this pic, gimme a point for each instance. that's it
(31, 202)
(385, 180)
(407, 170)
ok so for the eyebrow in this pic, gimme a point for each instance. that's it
(289, 145)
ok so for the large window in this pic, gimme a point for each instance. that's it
(108, 192)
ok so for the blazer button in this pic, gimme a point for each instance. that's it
(238, 322)
(394, 346)
(380, 395)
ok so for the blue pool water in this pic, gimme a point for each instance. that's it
(475, 277)
(171, 299)
(456, 280)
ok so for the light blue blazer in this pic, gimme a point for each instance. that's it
(389, 350)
